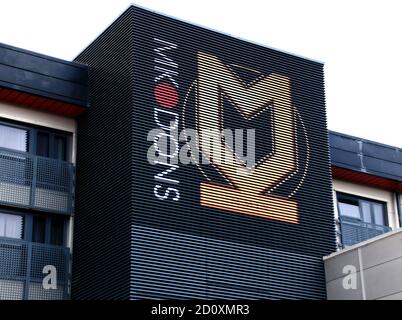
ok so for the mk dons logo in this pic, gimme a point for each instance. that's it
(249, 189)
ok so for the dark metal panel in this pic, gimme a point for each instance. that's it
(186, 214)
(388, 153)
(42, 64)
(192, 267)
(345, 159)
(365, 156)
(382, 167)
(342, 142)
(43, 85)
(42, 75)
(101, 259)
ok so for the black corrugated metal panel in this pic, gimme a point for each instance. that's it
(180, 266)
(43, 76)
(101, 259)
(365, 156)
(174, 240)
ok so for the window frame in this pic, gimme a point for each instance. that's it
(28, 225)
(32, 137)
(353, 198)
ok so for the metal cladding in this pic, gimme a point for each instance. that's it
(207, 228)
(364, 156)
(42, 82)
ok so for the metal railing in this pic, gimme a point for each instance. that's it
(36, 182)
(22, 270)
(354, 231)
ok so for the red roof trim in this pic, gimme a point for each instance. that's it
(366, 179)
(40, 103)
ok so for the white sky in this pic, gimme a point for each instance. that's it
(359, 41)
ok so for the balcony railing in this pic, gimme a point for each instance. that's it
(354, 231)
(21, 270)
(36, 182)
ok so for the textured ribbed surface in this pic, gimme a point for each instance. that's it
(172, 265)
(227, 247)
(102, 225)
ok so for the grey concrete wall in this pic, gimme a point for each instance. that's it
(370, 270)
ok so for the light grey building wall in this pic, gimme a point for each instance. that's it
(370, 270)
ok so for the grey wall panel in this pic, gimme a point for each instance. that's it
(334, 267)
(378, 269)
(336, 290)
(395, 296)
(383, 279)
(378, 252)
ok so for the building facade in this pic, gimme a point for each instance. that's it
(40, 98)
(81, 167)
(367, 183)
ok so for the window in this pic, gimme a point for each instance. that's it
(39, 141)
(366, 210)
(11, 226)
(60, 148)
(351, 210)
(13, 138)
(57, 231)
(42, 144)
(38, 229)
(48, 229)
(360, 218)
(51, 145)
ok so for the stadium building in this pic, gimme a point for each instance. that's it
(85, 213)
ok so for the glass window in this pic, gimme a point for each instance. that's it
(43, 144)
(13, 138)
(60, 148)
(51, 145)
(57, 231)
(48, 229)
(378, 211)
(11, 226)
(349, 210)
(38, 229)
(366, 209)
(360, 218)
